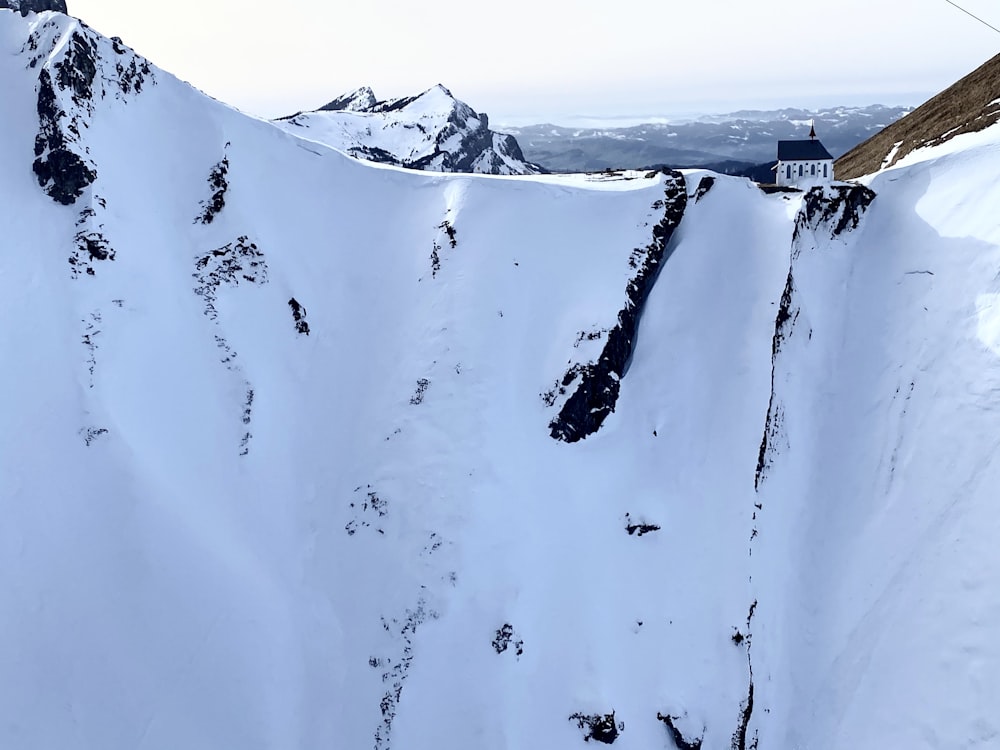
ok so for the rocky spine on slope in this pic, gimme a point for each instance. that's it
(837, 209)
(970, 105)
(599, 383)
(34, 6)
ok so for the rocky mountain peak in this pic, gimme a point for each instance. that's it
(360, 100)
(34, 6)
(431, 131)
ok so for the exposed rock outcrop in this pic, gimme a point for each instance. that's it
(76, 73)
(598, 384)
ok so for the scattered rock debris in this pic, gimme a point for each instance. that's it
(505, 638)
(639, 528)
(418, 397)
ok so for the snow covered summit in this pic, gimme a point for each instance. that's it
(431, 131)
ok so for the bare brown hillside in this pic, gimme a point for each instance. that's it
(970, 105)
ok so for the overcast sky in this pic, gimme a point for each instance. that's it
(534, 61)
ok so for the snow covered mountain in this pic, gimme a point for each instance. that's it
(298, 451)
(432, 131)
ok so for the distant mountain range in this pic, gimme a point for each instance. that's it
(729, 143)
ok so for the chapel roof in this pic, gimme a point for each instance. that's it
(811, 150)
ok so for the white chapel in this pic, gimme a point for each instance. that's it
(803, 163)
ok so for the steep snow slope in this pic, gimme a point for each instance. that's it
(277, 465)
(432, 131)
(877, 511)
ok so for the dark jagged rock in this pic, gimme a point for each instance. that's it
(68, 88)
(680, 741)
(78, 68)
(219, 185)
(34, 6)
(597, 393)
(706, 184)
(639, 528)
(843, 203)
(299, 316)
(90, 247)
(60, 171)
(598, 727)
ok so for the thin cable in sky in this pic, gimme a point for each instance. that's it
(974, 16)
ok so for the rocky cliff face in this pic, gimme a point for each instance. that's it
(432, 131)
(34, 6)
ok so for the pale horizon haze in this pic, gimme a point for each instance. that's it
(526, 62)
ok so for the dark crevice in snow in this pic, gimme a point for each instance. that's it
(739, 740)
(680, 741)
(598, 727)
(783, 327)
(598, 383)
